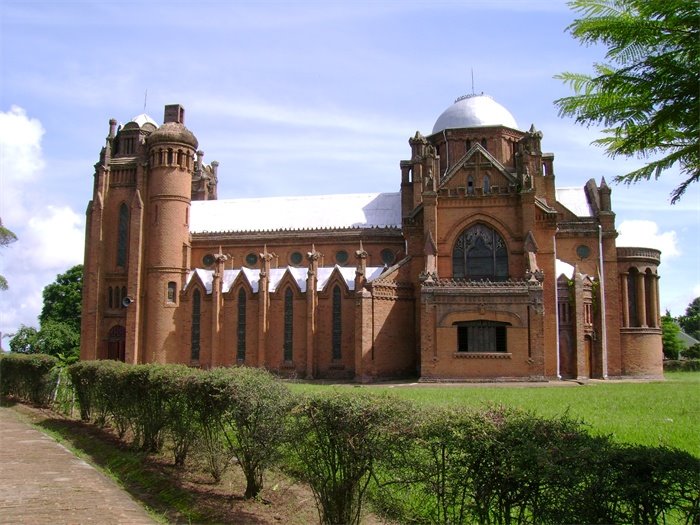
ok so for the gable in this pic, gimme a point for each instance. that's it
(477, 163)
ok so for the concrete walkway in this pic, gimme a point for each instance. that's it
(42, 482)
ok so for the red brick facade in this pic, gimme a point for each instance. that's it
(467, 285)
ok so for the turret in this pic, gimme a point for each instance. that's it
(171, 153)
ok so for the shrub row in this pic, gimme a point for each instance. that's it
(494, 465)
(682, 365)
(28, 377)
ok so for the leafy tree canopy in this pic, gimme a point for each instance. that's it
(690, 322)
(7, 237)
(647, 96)
(24, 340)
(59, 332)
(670, 330)
(63, 299)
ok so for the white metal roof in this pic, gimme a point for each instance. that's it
(575, 200)
(299, 275)
(357, 210)
(473, 111)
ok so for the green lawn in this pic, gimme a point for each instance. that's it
(650, 413)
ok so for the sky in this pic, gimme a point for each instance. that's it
(292, 98)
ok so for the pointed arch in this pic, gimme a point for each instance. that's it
(116, 343)
(480, 253)
(241, 323)
(288, 324)
(122, 235)
(196, 324)
(337, 322)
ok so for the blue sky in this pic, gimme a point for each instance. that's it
(292, 98)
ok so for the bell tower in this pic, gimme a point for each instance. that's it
(171, 151)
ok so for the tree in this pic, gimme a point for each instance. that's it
(690, 322)
(24, 340)
(63, 299)
(7, 237)
(648, 96)
(669, 336)
(59, 321)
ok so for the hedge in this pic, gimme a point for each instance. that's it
(494, 465)
(28, 377)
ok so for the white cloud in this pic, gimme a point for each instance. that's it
(646, 234)
(50, 237)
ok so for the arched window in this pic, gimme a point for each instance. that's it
(196, 312)
(487, 184)
(470, 185)
(288, 324)
(111, 297)
(240, 328)
(337, 323)
(122, 235)
(480, 253)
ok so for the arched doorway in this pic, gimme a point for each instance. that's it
(116, 343)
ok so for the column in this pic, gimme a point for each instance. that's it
(641, 300)
(625, 299)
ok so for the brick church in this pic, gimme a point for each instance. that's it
(477, 268)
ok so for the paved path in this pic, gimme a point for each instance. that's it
(42, 483)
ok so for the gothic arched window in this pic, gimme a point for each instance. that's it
(480, 253)
(288, 324)
(196, 313)
(337, 323)
(122, 235)
(240, 328)
(487, 184)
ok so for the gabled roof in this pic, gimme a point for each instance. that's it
(356, 210)
(467, 157)
(298, 274)
(575, 200)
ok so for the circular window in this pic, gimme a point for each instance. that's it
(208, 259)
(341, 257)
(296, 258)
(251, 259)
(583, 251)
(388, 256)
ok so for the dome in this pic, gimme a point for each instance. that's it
(473, 111)
(173, 132)
(144, 119)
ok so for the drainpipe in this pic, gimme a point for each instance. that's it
(556, 302)
(603, 327)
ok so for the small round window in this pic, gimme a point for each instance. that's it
(208, 259)
(341, 257)
(296, 258)
(583, 251)
(251, 259)
(388, 256)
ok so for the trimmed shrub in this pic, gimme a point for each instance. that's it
(687, 365)
(337, 440)
(28, 377)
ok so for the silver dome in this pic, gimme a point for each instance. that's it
(473, 111)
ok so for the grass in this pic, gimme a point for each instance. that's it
(647, 413)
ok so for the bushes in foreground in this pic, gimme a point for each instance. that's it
(28, 377)
(493, 465)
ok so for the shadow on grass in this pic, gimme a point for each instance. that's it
(149, 479)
